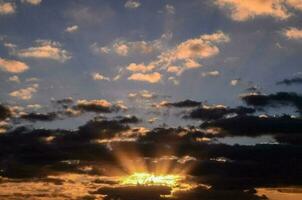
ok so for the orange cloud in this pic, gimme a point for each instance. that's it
(26, 93)
(7, 8)
(293, 33)
(32, 2)
(242, 10)
(45, 49)
(13, 66)
(151, 78)
(140, 67)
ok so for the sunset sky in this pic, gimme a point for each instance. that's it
(204, 94)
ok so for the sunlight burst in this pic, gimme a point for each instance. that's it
(151, 179)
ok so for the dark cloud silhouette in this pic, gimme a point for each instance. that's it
(184, 104)
(218, 112)
(39, 116)
(128, 119)
(280, 98)
(134, 192)
(202, 193)
(255, 126)
(4, 112)
(291, 81)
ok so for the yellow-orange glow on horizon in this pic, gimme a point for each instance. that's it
(151, 179)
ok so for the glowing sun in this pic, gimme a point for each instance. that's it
(150, 179)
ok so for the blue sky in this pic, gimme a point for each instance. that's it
(257, 53)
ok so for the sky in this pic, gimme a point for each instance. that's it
(212, 85)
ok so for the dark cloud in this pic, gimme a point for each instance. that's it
(218, 112)
(280, 98)
(128, 119)
(184, 104)
(202, 193)
(255, 126)
(134, 192)
(39, 116)
(291, 81)
(4, 112)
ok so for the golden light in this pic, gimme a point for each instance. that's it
(151, 179)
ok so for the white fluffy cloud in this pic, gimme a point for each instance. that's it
(13, 66)
(293, 33)
(71, 29)
(32, 2)
(25, 93)
(234, 82)
(45, 49)
(191, 51)
(154, 77)
(98, 77)
(132, 4)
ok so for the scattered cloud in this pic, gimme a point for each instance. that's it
(124, 47)
(14, 79)
(280, 98)
(210, 73)
(10, 45)
(13, 66)
(154, 77)
(71, 29)
(7, 8)
(121, 49)
(248, 9)
(26, 93)
(132, 4)
(39, 116)
(175, 69)
(192, 50)
(140, 67)
(293, 33)
(98, 77)
(292, 81)
(170, 9)
(242, 10)
(234, 82)
(218, 111)
(4, 112)
(144, 94)
(183, 104)
(32, 2)
(297, 4)
(45, 49)
(174, 80)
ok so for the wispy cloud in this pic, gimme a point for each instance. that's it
(45, 49)
(32, 2)
(25, 93)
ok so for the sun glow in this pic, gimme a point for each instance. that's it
(151, 179)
